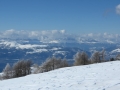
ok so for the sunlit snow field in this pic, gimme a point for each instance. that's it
(103, 76)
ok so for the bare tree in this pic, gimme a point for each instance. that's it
(53, 63)
(81, 58)
(84, 57)
(35, 69)
(17, 69)
(7, 71)
(117, 57)
(49, 64)
(28, 66)
(77, 58)
(102, 55)
(46, 66)
(112, 59)
(22, 68)
(95, 58)
(1, 77)
(64, 63)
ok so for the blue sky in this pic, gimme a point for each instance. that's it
(74, 16)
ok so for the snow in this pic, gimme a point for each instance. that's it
(116, 50)
(28, 46)
(103, 76)
(37, 51)
(55, 48)
(7, 43)
(21, 46)
(60, 52)
(54, 41)
(1, 73)
(108, 41)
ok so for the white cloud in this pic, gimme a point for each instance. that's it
(56, 36)
(90, 34)
(105, 34)
(118, 9)
(54, 31)
(62, 31)
(9, 32)
(14, 34)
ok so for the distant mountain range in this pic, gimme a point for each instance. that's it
(39, 45)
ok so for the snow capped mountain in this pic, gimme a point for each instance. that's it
(16, 45)
(39, 45)
(88, 77)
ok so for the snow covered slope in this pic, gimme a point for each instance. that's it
(103, 76)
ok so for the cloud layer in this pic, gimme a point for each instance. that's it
(57, 36)
(30, 34)
(118, 9)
